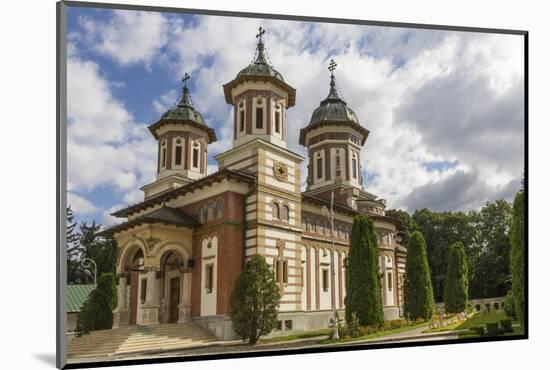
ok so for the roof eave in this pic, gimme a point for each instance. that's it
(241, 79)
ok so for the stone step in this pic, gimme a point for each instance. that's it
(138, 339)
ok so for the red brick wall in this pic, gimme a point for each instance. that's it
(229, 230)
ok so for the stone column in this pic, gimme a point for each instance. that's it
(121, 313)
(150, 310)
(184, 307)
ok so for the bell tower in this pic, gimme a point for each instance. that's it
(260, 97)
(183, 139)
(334, 139)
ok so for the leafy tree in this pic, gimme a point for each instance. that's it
(517, 255)
(255, 300)
(363, 285)
(408, 222)
(456, 282)
(96, 313)
(419, 301)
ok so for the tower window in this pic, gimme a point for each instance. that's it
(259, 118)
(354, 166)
(241, 120)
(163, 154)
(390, 287)
(196, 156)
(277, 122)
(179, 152)
(319, 168)
(325, 280)
(286, 213)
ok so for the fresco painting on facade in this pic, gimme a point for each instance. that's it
(183, 245)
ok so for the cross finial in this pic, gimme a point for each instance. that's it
(185, 78)
(261, 31)
(332, 66)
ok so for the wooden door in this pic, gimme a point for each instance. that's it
(133, 297)
(174, 299)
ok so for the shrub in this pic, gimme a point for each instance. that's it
(492, 329)
(419, 300)
(97, 311)
(352, 326)
(363, 285)
(509, 307)
(395, 324)
(254, 301)
(479, 330)
(506, 325)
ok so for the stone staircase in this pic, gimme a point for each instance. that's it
(138, 339)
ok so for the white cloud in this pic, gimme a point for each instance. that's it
(129, 37)
(79, 204)
(105, 145)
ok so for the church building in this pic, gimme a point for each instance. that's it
(181, 250)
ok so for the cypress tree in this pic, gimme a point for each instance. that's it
(455, 294)
(517, 255)
(419, 300)
(363, 285)
(255, 300)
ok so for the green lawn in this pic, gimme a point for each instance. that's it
(378, 334)
(303, 335)
(481, 319)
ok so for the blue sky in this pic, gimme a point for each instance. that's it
(442, 107)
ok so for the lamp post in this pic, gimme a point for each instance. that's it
(330, 217)
(87, 264)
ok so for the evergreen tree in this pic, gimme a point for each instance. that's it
(102, 250)
(456, 281)
(363, 280)
(255, 300)
(419, 300)
(517, 255)
(73, 249)
(96, 313)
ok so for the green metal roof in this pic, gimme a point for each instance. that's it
(260, 66)
(333, 108)
(76, 295)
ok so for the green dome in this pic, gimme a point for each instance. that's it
(333, 108)
(184, 110)
(260, 67)
(183, 113)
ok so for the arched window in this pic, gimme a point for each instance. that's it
(195, 155)
(211, 211)
(163, 154)
(178, 152)
(285, 216)
(275, 211)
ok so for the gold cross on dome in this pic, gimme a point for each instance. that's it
(332, 66)
(261, 31)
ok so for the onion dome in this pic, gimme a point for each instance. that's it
(333, 111)
(260, 70)
(183, 112)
